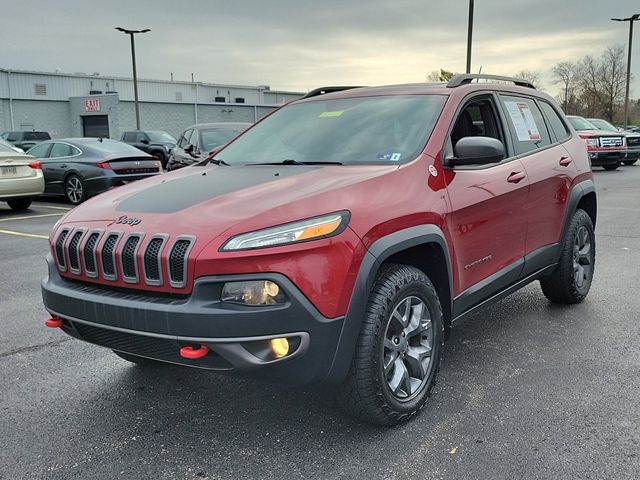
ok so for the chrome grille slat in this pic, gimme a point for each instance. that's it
(74, 251)
(178, 260)
(89, 254)
(62, 262)
(108, 256)
(129, 258)
(611, 141)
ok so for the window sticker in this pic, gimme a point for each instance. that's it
(389, 156)
(337, 113)
(523, 121)
(395, 157)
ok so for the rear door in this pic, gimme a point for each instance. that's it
(62, 159)
(41, 152)
(550, 170)
(488, 220)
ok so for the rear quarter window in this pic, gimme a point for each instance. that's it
(556, 125)
(526, 124)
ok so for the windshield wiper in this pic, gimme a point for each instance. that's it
(291, 161)
(215, 161)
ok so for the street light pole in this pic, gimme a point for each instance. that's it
(630, 19)
(131, 34)
(469, 36)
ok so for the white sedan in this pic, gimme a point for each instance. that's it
(21, 177)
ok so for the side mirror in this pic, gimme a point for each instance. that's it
(145, 141)
(188, 148)
(477, 151)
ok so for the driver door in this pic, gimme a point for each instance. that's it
(488, 222)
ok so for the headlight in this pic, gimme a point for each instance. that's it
(592, 142)
(309, 229)
(257, 292)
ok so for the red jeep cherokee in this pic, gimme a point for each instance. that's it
(338, 240)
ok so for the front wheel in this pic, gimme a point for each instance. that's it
(613, 166)
(571, 280)
(19, 204)
(75, 190)
(398, 352)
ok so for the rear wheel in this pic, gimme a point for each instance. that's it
(571, 280)
(142, 361)
(19, 204)
(74, 189)
(613, 166)
(630, 162)
(398, 352)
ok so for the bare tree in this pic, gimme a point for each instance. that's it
(532, 76)
(612, 79)
(589, 85)
(565, 73)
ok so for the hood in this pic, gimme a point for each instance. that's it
(207, 201)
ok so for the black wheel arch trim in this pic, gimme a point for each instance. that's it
(377, 253)
(578, 192)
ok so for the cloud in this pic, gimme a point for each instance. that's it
(302, 44)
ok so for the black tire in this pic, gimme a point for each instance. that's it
(612, 167)
(74, 189)
(19, 204)
(159, 155)
(562, 285)
(366, 392)
(142, 361)
(630, 162)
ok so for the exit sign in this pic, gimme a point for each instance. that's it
(91, 104)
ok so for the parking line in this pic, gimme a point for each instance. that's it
(31, 216)
(55, 208)
(20, 234)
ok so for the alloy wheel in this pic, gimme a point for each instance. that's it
(582, 258)
(74, 189)
(407, 349)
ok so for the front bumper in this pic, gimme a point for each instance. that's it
(601, 158)
(158, 326)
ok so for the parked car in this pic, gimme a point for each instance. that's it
(632, 140)
(606, 148)
(337, 241)
(21, 178)
(25, 139)
(156, 143)
(11, 146)
(79, 168)
(197, 141)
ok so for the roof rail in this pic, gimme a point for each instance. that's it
(324, 90)
(466, 78)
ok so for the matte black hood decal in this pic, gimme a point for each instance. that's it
(175, 194)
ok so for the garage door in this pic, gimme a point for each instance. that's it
(95, 126)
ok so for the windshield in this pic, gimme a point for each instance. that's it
(602, 124)
(36, 136)
(160, 136)
(215, 137)
(364, 130)
(580, 123)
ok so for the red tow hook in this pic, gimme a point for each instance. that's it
(53, 322)
(194, 353)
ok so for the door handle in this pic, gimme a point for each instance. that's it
(64, 165)
(515, 177)
(565, 161)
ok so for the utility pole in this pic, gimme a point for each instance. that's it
(630, 19)
(469, 36)
(131, 34)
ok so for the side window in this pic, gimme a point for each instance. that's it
(184, 140)
(129, 137)
(477, 119)
(525, 121)
(60, 150)
(13, 137)
(194, 140)
(555, 122)
(40, 151)
(140, 136)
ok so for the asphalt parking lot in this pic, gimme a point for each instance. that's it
(526, 390)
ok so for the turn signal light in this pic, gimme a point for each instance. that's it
(279, 347)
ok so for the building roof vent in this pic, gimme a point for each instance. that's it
(178, 96)
(95, 92)
(40, 89)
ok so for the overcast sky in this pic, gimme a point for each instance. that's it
(301, 44)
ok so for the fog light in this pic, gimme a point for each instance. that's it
(279, 347)
(259, 292)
